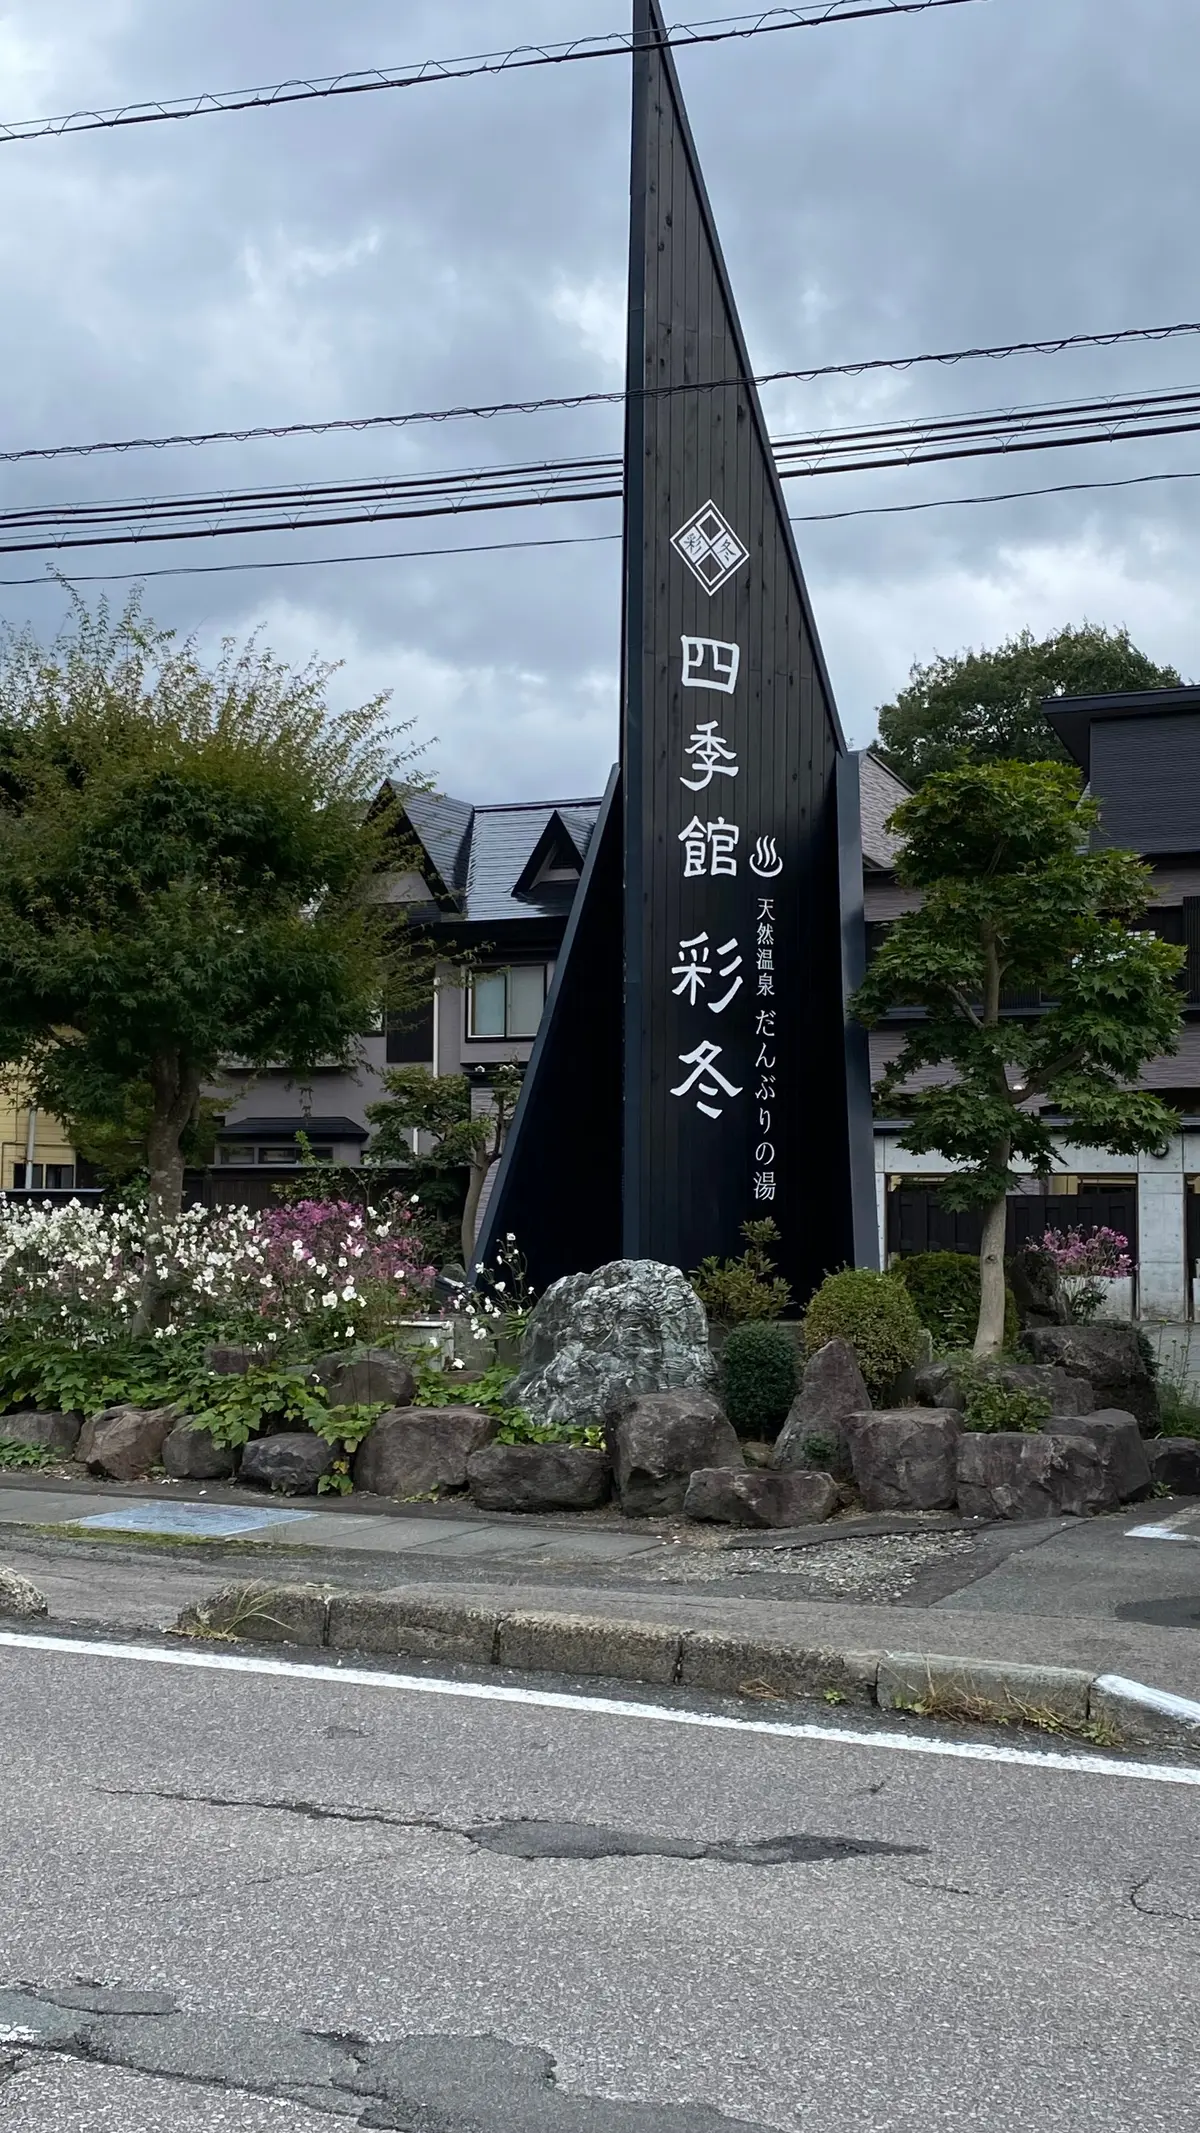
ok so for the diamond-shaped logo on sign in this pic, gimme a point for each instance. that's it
(710, 548)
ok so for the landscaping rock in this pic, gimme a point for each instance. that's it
(658, 1440)
(539, 1477)
(904, 1457)
(946, 1385)
(1120, 1443)
(1175, 1464)
(421, 1451)
(57, 1433)
(1110, 1357)
(291, 1463)
(18, 1597)
(190, 1454)
(595, 1340)
(1011, 1475)
(367, 1374)
(123, 1443)
(741, 1496)
(831, 1390)
(232, 1360)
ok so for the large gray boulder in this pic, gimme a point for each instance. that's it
(1110, 1358)
(421, 1451)
(232, 1359)
(191, 1454)
(538, 1477)
(1175, 1464)
(52, 1432)
(1120, 1444)
(658, 1440)
(365, 1375)
(904, 1457)
(831, 1390)
(744, 1496)
(1009, 1475)
(123, 1443)
(594, 1340)
(292, 1462)
(947, 1385)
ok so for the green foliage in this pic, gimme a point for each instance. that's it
(945, 1289)
(734, 1291)
(58, 1377)
(518, 1429)
(820, 1452)
(876, 1314)
(1178, 1405)
(15, 1454)
(758, 1378)
(1016, 898)
(440, 1106)
(344, 1428)
(447, 1388)
(235, 1408)
(979, 707)
(992, 1406)
(185, 872)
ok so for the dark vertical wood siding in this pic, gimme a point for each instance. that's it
(689, 1179)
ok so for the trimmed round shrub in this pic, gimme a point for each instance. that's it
(758, 1378)
(945, 1289)
(876, 1314)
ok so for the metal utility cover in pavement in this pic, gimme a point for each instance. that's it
(208, 1521)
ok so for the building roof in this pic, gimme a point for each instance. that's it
(481, 855)
(1073, 717)
(880, 793)
(286, 1129)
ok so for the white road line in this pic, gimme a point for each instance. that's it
(1095, 1766)
(1166, 1529)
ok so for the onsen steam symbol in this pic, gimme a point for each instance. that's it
(765, 860)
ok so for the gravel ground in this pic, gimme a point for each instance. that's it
(877, 1568)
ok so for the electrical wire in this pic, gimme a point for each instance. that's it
(586, 540)
(131, 521)
(1057, 345)
(613, 44)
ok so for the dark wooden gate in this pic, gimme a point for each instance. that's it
(918, 1222)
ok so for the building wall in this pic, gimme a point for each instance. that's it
(1164, 1284)
(51, 1144)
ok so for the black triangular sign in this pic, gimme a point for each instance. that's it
(736, 1103)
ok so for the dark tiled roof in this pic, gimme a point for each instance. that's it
(481, 853)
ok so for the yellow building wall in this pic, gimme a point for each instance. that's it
(50, 1144)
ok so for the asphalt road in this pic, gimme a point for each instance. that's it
(251, 1899)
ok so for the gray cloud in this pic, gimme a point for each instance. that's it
(988, 174)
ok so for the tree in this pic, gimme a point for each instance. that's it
(1014, 898)
(186, 860)
(979, 707)
(440, 1105)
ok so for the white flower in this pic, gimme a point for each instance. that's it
(328, 1303)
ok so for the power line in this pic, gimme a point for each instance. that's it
(613, 44)
(131, 521)
(1058, 345)
(308, 562)
(586, 540)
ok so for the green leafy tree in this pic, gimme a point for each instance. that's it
(980, 707)
(186, 867)
(439, 1106)
(1014, 897)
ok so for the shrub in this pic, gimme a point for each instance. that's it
(758, 1378)
(736, 1291)
(945, 1289)
(992, 1406)
(876, 1314)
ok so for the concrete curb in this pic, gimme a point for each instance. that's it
(1106, 1709)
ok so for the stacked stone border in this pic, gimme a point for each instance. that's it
(1104, 1709)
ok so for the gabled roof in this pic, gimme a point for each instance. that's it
(443, 827)
(557, 851)
(880, 793)
(504, 841)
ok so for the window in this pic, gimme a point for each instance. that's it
(47, 1177)
(237, 1152)
(507, 1003)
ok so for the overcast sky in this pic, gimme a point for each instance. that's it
(1004, 171)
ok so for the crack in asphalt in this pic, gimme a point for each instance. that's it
(415, 2084)
(1149, 1910)
(526, 1838)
